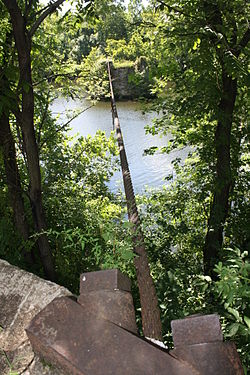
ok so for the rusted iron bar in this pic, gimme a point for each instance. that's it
(150, 311)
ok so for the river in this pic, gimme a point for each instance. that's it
(147, 170)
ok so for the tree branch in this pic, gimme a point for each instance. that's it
(67, 75)
(28, 4)
(44, 115)
(66, 124)
(177, 10)
(50, 9)
(243, 42)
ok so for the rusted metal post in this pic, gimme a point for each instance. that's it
(151, 321)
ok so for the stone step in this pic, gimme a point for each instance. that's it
(65, 337)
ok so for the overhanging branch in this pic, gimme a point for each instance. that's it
(66, 124)
(49, 10)
(175, 9)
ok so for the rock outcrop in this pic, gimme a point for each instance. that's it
(131, 82)
(22, 296)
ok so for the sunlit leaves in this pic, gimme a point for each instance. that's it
(233, 290)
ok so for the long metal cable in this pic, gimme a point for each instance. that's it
(151, 322)
(127, 180)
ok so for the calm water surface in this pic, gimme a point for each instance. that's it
(147, 170)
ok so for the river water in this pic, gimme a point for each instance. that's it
(147, 170)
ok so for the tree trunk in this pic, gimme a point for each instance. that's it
(14, 183)
(23, 45)
(223, 179)
(220, 205)
(151, 320)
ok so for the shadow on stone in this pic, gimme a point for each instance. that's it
(97, 335)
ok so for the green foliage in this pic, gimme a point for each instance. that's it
(120, 50)
(11, 243)
(94, 76)
(174, 222)
(232, 290)
(87, 225)
(124, 64)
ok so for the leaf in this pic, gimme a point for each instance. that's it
(245, 369)
(234, 312)
(207, 278)
(247, 321)
(106, 236)
(11, 72)
(151, 150)
(196, 44)
(127, 254)
(69, 237)
(233, 330)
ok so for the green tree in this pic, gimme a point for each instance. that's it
(24, 24)
(200, 74)
(75, 175)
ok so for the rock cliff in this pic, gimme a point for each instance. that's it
(130, 82)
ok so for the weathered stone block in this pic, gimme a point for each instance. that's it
(116, 306)
(104, 280)
(22, 296)
(64, 336)
(216, 358)
(196, 330)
